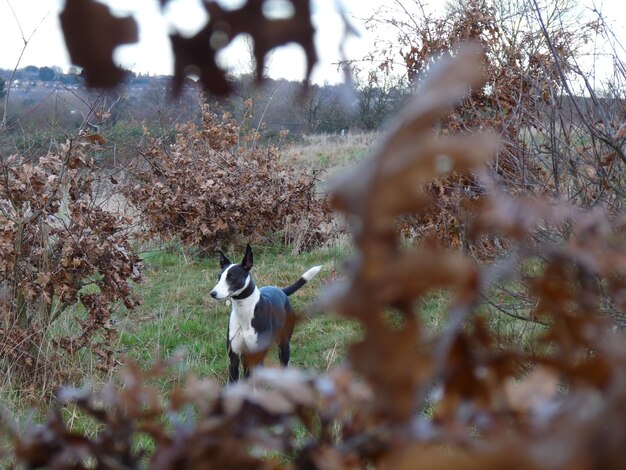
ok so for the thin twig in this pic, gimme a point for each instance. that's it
(26, 41)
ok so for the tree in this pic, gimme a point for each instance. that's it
(46, 74)
(69, 79)
(335, 111)
(2, 87)
(378, 97)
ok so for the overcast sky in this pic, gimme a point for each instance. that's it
(153, 54)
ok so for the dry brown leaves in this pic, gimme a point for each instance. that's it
(392, 183)
(477, 418)
(54, 241)
(522, 84)
(205, 427)
(197, 54)
(92, 33)
(216, 185)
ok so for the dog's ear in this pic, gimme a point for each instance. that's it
(224, 261)
(247, 261)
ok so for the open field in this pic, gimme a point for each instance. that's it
(331, 151)
(471, 306)
(178, 316)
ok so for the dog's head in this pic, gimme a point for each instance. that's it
(234, 278)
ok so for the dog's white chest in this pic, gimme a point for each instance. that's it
(242, 336)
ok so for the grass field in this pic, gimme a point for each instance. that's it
(177, 315)
(332, 153)
(178, 318)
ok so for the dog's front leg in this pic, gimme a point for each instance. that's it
(246, 366)
(233, 368)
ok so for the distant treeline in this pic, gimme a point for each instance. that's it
(276, 105)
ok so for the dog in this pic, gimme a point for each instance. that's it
(258, 317)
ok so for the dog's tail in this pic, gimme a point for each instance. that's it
(306, 277)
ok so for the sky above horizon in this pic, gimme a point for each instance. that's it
(153, 55)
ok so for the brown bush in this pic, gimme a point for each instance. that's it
(55, 241)
(216, 185)
(520, 100)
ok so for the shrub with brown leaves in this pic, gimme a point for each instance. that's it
(217, 185)
(522, 99)
(55, 241)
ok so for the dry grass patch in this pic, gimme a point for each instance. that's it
(331, 151)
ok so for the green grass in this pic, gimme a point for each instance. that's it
(333, 159)
(331, 152)
(177, 315)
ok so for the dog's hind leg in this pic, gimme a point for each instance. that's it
(284, 350)
(283, 353)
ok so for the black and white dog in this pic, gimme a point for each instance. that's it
(258, 317)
